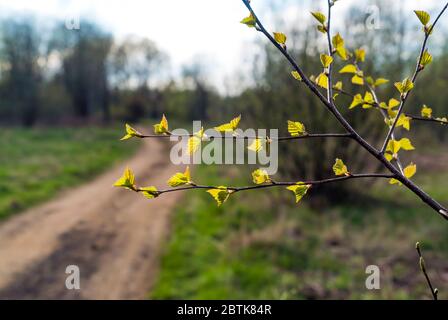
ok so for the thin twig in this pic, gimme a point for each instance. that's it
(419, 118)
(434, 291)
(418, 69)
(330, 53)
(282, 138)
(377, 104)
(279, 184)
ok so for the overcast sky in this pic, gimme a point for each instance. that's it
(185, 29)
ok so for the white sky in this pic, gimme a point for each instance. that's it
(185, 29)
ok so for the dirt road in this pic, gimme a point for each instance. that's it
(112, 235)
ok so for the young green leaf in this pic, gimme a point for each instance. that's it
(280, 38)
(300, 189)
(127, 180)
(180, 179)
(162, 127)
(408, 172)
(150, 192)
(260, 176)
(404, 121)
(249, 21)
(405, 86)
(194, 142)
(380, 81)
(349, 68)
(339, 48)
(360, 55)
(426, 112)
(256, 145)
(339, 168)
(368, 100)
(426, 59)
(319, 17)
(358, 80)
(338, 86)
(326, 60)
(229, 127)
(296, 75)
(131, 132)
(406, 144)
(220, 194)
(357, 100)
(423, 16)
(322, 80)
(296, 128)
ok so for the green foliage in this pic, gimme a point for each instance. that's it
(36, 164)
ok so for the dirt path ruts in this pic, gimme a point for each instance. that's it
(112, 235)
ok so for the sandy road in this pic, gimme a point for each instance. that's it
(113, 235)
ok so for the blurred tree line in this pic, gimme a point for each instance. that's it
(74, 76)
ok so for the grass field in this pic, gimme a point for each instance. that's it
(35, 164)
(260, 245)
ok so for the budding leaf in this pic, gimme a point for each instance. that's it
(358, 80)
(339, 168)
(180, 179)
(368, 100)
(260, 176)
(423, 16)
(350, 68)
(360, 55)
(127, 180)
(150, 192)
(280, 38)
(300, 189)
(322, 80)
(319, 16)
(296, 75)
(194, 142)
(162, 127)
(426, 59)
(229, 127)
(426, 112)
(131, 132)
(296, 128)
(404, 121)
(256, 145)
(406, 144)
(338, 86)
(408, 172)
(249, 21)
(220, 194)
(405, 86)
(357, 100)
(380, 81)
(326, 60)
(338, 44)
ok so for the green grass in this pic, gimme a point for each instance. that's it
(260, 245)
(36, 164)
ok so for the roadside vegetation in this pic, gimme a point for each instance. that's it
(36, 164)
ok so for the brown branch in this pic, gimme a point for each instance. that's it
(419, 118)
(281, 138)
(277, 184)
(434, 291)
(330, 53)
(363, 143)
